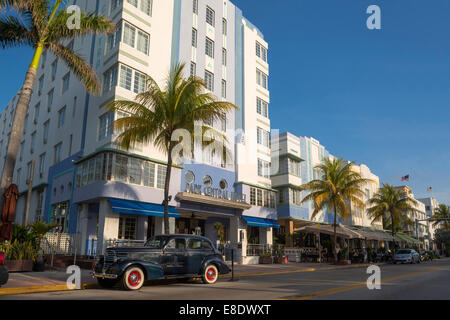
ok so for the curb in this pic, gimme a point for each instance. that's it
(94, 285)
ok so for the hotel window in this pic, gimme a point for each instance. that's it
(195, 6)
(114, 39)
(209, 48)
(193, 69)
(127, 228)
(162, 170)
(105, 126)
(261, 79)
(57, 155)
(110, 79)
(262, 107)
(74, 107)
(36, 112)
(194, 37)
(224, 89)
(59, 216)
(281, 196)
(66, 82)
(50, 99)
(41, 85)
(253, 196)
(40, 202)
(224, 26)
(41, 164)
(54, 69)
(224, 56)
(294, 167)
(146, 6)
(149, 174)
(261, 52)
(125, 77)
(143, 40)
(135, 171)
(259, 200)
(129, 35)
(61, 117)
(209, 80)
(22, 146)
(294, 196)
(263, 168)
(210, 16)
(33, 142)
(46, 127)
(115, 4)
(121, 168)
(263, 137)
(139, 82)
(133, 2)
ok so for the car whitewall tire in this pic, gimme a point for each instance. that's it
(133, 278)
(210, 275)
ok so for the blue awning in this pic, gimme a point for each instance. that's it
(141, 208)
(260, 222)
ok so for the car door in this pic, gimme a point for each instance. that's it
(174, 257)
(197, 250)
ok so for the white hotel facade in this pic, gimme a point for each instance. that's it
(86, 184)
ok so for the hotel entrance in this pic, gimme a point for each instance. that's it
(192, 225)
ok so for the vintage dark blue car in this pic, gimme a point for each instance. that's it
(162, 257)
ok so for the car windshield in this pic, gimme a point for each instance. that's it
(156, 242)
(404, 251)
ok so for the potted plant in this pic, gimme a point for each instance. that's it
(19, 256)
(40, 229)
(343, 257)
(278, 255)
(266, 258)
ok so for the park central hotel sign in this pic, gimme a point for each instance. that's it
(216, 193)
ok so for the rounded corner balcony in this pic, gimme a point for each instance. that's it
(111, 173)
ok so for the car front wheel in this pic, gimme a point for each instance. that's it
(133, 279)
(210, 275)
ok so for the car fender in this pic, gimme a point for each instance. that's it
(219, 263)
(153, 271)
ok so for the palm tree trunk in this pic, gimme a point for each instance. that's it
(393, 230)
(166, 189)
(335, 235)
(18, 125)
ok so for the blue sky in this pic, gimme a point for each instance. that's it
(377, 97)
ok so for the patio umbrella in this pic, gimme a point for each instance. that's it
(9, 211)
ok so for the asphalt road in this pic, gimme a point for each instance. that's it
(425, 281)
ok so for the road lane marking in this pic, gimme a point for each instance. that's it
(331, 291)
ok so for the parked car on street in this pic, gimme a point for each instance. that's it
(406, 256)
(3, 270)
(162, 257)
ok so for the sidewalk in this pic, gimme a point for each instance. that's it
(31, 282)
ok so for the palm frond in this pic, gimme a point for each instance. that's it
(14, 33)
(80, 68)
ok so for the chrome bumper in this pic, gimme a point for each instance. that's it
(104, 275)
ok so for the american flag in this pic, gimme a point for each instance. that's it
(405, 178)
(430, 189)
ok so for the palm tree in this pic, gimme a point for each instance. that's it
(156, 114)
(392, 205)
(339, 185)
(44, 27)
(443, 211)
